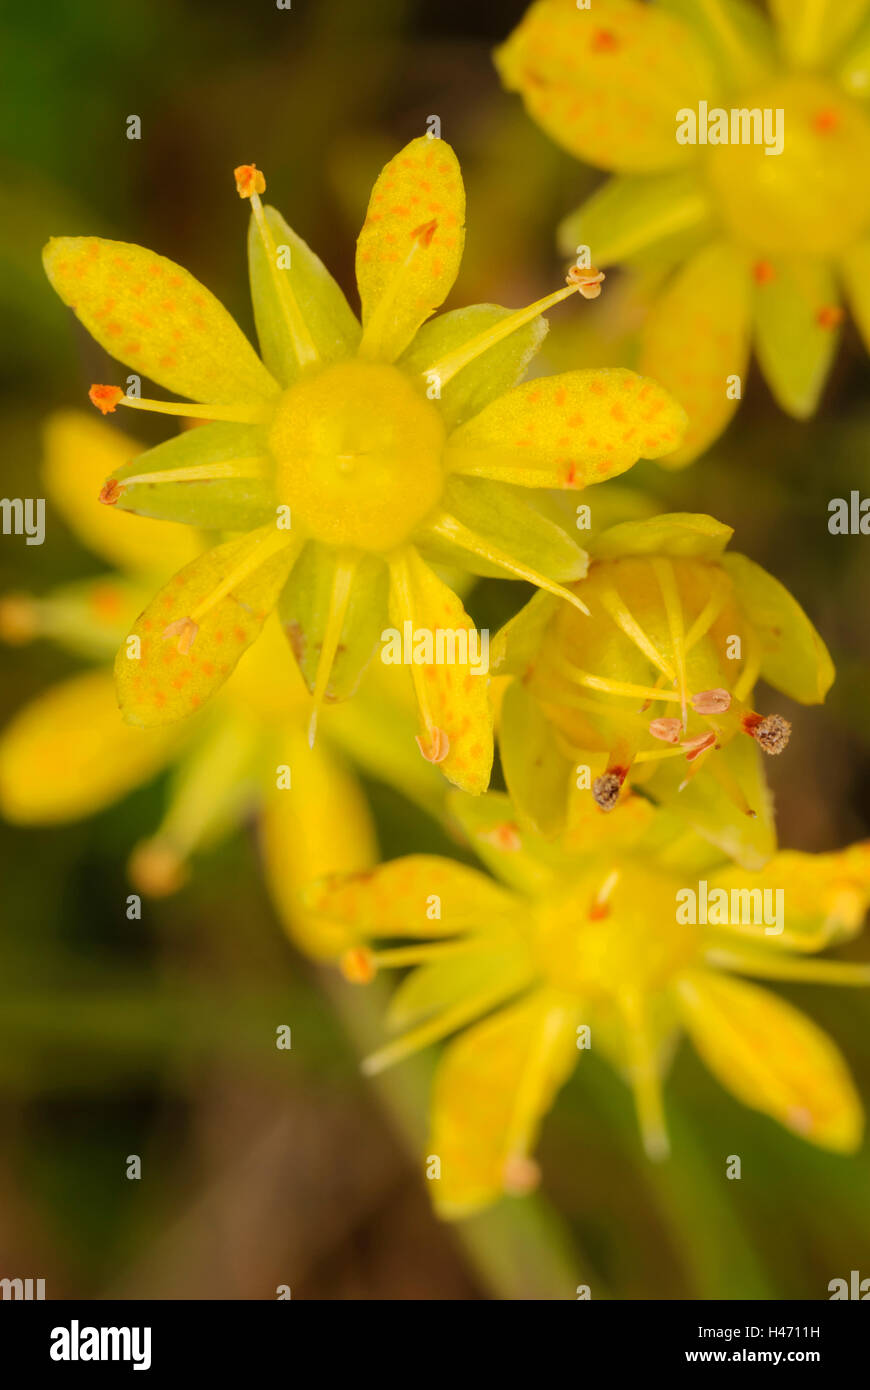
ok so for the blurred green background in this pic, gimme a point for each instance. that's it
(156, 1037)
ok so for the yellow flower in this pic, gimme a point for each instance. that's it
(377, 443)
(654, 688)
(751, 240)
(68, 753)
(591, 948)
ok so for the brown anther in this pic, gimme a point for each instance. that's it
(520, 1175)
(696, 746)
(110, 492)
(249, 180)
(434, 748)
(606, 789)
(357, 965)
(668, 730)
(105, 398)
(771, 733)
(588, 281)
(185, 629)
(715, 701)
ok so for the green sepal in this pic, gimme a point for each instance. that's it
(223, 504)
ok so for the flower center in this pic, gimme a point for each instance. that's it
(359, 451)
(814, 197)
(615, 931)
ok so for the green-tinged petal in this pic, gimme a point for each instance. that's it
(568, 430)
(192, 634)
(706, 305)
(80, 453)
(410, 246)
(304, 610)
(451, 693)
(707, 804)
(685, 534)
(535, 770)
(68, 754)
(772, 1058)
(182, 480)
(89, 617)
(634, 213)
(513, 853)
(319, 825)
(491, 374)
(331, 323)
(811, 31)
(795, 660)
(500, 519)
(606, 82)
(856, 277)
(825, 896)
(492, 1090)
(797, 315)
(150, 313)
(516, 644)
(434, 988)
(738, 38)
(418, 897)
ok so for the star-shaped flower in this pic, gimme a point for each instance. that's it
(349, 451)
(68, 753)
(654, 688)
(746, 245)
(594, 946)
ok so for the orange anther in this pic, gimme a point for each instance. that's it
(588, 281)
(434, 748)
(358, 966)
(249, 180)
(711, 701)
(425, 232)
(185, 629)
(668, 730)
(105, 398)
(110, 492)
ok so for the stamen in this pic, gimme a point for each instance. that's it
(722, 773)
(767, 966)
(156, 868)
(668, 730)
(634, 632)
(447, 367)
(721, 588)
(645, 1080)
(433, 1030)
(694, 747)
(358, 965)
(711, 701)
(613, 687)
(271, 542)
(185, 629)
(533, 1082)
(110, 492)
(606, 788)
(664, 572)
(342, 585)
(434, 744)
(520, 1175)
(249, 470)
(751, 666)
(19, 619)
(250, 183)
(771, 733)
(601, 902)
(450, 529)
(106, 398)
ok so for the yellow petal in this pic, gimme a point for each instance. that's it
(68, 753)
(317, 826)
(451, 695)
(772, 1058)
(80, 454)
(151, 314)
(193, 632)
(856, 278)
(492, 1090)
(418, 896)
(606, 81)
(696, 343)
(568, 430)
(410, 246)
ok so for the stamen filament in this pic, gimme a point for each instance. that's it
(300, 336)
(645, 1080)
(239, 413)
(769, 967)
(244, 469)
(711, 610)
(272, 543)
(342, 585)
(433, 1030)
(449, 529)
(613, 687)
(446, 367)
(534, 1080)
(664, 572)
(629, 625)
(371, 344)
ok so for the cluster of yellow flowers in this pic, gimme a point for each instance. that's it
(354, 475)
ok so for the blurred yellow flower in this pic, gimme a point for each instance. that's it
(349, 450)
(740, 152)
(68, 753)
(587, 946)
